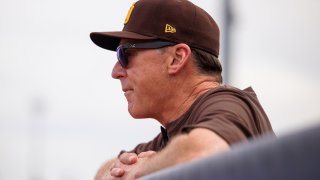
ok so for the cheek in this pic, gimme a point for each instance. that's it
(148, 88)
(148, 79)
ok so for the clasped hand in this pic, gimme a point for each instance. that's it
(128, 166)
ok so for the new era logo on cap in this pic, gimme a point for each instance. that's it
(170, 29)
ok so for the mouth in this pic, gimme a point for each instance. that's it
(126, 90)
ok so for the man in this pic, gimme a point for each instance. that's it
(169, 70)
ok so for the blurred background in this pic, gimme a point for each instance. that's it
(62, 115)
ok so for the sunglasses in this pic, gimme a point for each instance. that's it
(122, 55)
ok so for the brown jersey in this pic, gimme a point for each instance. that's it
(235, 115)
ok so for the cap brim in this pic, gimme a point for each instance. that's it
(111, 40)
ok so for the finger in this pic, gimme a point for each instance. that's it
(128, 158)
(112, 178)
(117, 172)
(109, 177)
(146, 154)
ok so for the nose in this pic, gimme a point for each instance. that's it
(118, 71)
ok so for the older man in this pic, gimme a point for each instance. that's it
(169, 70)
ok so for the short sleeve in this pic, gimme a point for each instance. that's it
(227, 116)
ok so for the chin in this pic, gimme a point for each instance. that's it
(136, 114)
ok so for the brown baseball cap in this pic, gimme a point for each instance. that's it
(177, 21)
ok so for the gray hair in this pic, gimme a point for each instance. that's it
(207, 63)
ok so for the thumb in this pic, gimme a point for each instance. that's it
(147, 154)
(128, 158)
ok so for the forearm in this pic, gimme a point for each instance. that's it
(161, 160)
(185, 148)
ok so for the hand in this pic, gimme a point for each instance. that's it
(104, 171)
(127, 166)
(117, 169)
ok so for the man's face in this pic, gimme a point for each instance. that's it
(144, 81)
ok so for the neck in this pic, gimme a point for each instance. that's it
(182, 100)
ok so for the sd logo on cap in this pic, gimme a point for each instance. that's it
(129, 14)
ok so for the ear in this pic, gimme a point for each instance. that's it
(181, 55)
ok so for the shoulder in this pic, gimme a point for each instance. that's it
(231, 91)
(227, 95)
(232, 113)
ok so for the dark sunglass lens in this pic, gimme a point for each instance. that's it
(122, 57)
